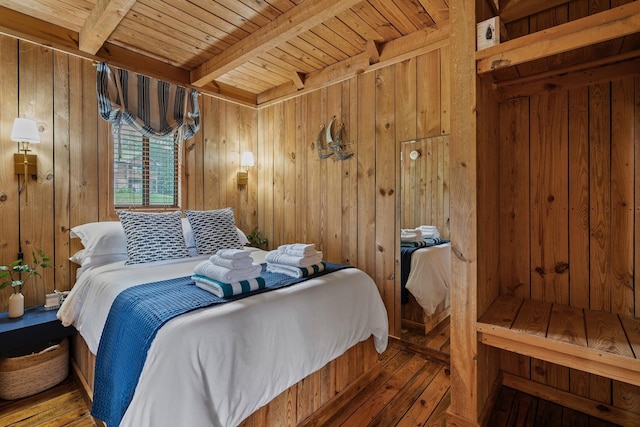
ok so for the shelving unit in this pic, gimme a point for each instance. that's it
(536, 214)
(597, 342)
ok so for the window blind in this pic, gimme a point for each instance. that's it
(146, 169)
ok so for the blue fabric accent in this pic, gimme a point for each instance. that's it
(405, 264)
(134, 319)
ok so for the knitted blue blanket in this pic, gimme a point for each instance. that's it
(134, 319)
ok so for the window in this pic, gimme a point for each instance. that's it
(146, 169)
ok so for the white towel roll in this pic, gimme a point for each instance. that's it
(298, 249)
(278, 257)
(243, 262)
(234, 253)
(227, 275)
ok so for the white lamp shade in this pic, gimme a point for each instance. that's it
(25, 130)
(247, 159)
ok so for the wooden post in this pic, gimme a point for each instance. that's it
(463, 410)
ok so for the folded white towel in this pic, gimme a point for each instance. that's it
(410, 235)
(292, 271)
(429, 231)
(224, 290)
(278, 257)
(227, 275)
(234, 253)
(243, 262)
(298, 249)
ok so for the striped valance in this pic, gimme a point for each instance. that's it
(151, 106)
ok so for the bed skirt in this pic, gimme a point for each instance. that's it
(287, 409)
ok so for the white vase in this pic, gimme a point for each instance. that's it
(16, 305)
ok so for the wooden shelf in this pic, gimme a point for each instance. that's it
(597, 342)
(607, 25)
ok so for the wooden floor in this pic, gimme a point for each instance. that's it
(409, 388)
(514, 408)
(405, 389)
(62, 405)
(438, 339)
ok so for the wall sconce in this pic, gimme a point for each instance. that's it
(25, 132)
(246, 162)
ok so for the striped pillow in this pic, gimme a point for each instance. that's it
(153, 236)
(214, 230)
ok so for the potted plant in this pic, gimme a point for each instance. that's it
(257, 240)
(16, 275)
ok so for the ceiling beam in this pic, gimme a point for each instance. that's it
(101, 22)
(24, 27)
(290, 24)
(516, 9)
(600, 27)
(392, 52)
(581, 75)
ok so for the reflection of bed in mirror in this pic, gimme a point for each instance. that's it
(424, 199)
(428, 281)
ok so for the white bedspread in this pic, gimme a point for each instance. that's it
(430, 277)
(216, 366)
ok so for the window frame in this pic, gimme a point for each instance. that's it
(146, 144)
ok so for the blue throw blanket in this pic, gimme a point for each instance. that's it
(135, 317)
(405, 265)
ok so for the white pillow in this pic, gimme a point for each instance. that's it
(214, 230)
(242, 237)
(84, 260)
(101, 238)
(153, 236)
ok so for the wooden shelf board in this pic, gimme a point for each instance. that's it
(597, 342)
(607, 25)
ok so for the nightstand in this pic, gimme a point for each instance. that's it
(36, 326)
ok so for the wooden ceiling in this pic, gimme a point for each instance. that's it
(250, 51)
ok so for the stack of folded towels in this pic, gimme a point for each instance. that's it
(410, 235)
(424, 235)
(295, 260)
(429, 231)
(229, 272)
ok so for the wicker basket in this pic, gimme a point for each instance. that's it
(26, 375)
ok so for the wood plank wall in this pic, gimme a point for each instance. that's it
(58, 91)
(424, 184)
(569, 214)
(73, 184)
(568, 207)
(350, 208)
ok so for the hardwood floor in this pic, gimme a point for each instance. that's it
(515, 408)
(62, 405)
(408, 388)
(405, 389)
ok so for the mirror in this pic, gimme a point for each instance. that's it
(424, 203)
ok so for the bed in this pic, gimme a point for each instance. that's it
(218, 365)
(428, 280)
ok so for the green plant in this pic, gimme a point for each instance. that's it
(257, 240)
(15, 271)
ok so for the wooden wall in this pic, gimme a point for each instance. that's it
(350, 208)
(424, 184)
(73, 186)
(569, 221)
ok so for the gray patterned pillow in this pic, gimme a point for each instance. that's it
(153, 236)
(214, 230)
